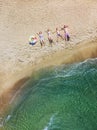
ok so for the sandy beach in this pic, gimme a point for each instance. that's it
(20, 19)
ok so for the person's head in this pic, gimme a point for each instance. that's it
(32, 37)
(48, 30)
(40, 32)
(56, 29)
(64, 26)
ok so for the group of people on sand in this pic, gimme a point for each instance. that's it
(33, 40)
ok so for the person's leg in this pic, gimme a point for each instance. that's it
(68, 37)
(41, 43)
(57, 38)
(61, 37)
(50, 42)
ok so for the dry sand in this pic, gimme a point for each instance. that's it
(20, 19)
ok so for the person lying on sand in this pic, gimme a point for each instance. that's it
(58, 34)
(66, 33)
(41, 37)
(32, 40)
(50, 39)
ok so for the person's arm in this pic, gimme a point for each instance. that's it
(62, 28)
(37, 34)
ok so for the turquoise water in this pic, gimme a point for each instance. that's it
(60, 98)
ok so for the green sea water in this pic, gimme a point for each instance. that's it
(59, 98)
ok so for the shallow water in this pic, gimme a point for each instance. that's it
(60, 98)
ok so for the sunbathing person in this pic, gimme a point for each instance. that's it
(66, 33)
(41, 37)
(50, 39)
(32, 40)
(58, 34)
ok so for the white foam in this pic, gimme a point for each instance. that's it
(8, 117)
(50, 122)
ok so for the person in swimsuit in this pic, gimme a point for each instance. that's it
(58, 34)
(41, 37)
(32, 40)
(50, 39)
(66, 33)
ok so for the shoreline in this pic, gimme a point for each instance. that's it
(81, 51)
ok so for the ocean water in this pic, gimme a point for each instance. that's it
(59, 98)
